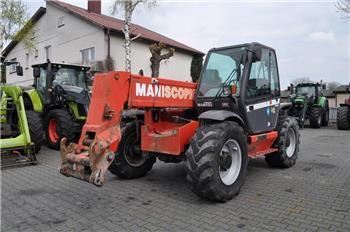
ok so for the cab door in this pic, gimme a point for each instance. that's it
(262, 93)
(42, 86)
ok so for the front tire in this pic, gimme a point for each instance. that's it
(59, 124)
(287, 144)
(130, 162)
(36, 131)
(217, 160)
(315, 117)
(343, 118)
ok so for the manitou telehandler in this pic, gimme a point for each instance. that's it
(232, 114)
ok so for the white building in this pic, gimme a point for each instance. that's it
(70, 34)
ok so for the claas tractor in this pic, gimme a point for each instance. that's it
(343, 115)
(61, 95)
(309, 103)
(214, 127)
(21, 129)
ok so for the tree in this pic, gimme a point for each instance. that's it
(14, 25)
(157, 56)
(332, 85)
(196, 67)
(343, 7)
(301, 80)
(128, 7)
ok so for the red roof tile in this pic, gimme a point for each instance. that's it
(111, 23)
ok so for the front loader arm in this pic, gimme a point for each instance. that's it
(90, 158)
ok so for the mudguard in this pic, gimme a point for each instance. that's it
(220, 115)
(35, 99)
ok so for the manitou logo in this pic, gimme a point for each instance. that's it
(164, 91)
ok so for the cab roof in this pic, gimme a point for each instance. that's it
(64, 65)
(250, 46)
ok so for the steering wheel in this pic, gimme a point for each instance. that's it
(59, 95)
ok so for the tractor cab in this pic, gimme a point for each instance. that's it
(240, 82)
(55, 81)
(306, 90)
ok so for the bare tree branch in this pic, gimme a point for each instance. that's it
(343, 7)
(132, 39)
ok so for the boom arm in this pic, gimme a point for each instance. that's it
(112, 93)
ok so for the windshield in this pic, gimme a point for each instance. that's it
(223, 69)
(69, 76)
(306, 90)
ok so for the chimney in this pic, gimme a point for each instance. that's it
(94, 6)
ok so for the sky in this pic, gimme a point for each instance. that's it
(311, 38)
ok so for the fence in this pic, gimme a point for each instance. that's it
(332, 114)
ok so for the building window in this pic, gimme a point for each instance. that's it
(61, 21)
(48, 52)
(88, 56)
(27, 61)
(36, 53)
(13, 66)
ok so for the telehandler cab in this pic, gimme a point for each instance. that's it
(232, 114)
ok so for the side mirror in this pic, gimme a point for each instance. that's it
(19, 70)
(323, 86)
(288, 88)
(36, 72)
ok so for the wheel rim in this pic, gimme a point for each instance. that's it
(52, 129)
(133, 154)
(291, 142)
(231, 149)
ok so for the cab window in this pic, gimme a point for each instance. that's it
(263, 77)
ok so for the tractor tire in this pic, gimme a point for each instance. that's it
(59, 124)
(343, 118)
(287, 144)
(315, 117)
(325, 115)
(36, 130)
(130, 162)
(217, 161)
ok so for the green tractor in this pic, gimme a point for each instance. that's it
(21, 129)
(61, 93)
(309, 103)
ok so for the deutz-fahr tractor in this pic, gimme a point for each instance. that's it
(62, 95)
(21, 129)
(232, 114)
(343, 115)
(309, 103)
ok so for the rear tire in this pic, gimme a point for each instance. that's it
(315, 117)
(130, 162)
(287, 144)
(36, 131)
(210, 171)
(59, 124)
(343, 118)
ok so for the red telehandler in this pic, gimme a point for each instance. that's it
(232, 114)
(343, 115)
